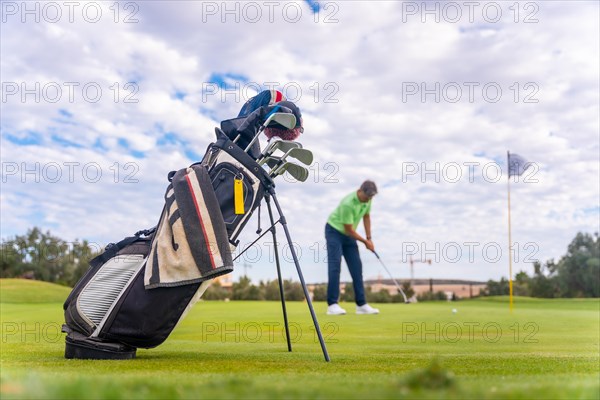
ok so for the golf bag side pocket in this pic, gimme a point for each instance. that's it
(226, 162)
(146, 317)
(98, 290)
(223, 177)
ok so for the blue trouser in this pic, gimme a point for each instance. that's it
(339, 244)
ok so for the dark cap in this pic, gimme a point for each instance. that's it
(264, 98)
(274, 129)
(369, 188)
(295, 111)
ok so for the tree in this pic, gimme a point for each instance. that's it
(398, 298)
(348, 294)
(576, 274)
(544, 282)
(320, 293)
(45, 257)
(521, 284)
(432, 296)
(499, 288)
(270, 290)
(293, 291)
(76, 262)
(383, 296)
(245, 290)
(11, 260)
(407, 289)
(215, 292)
(579, 270)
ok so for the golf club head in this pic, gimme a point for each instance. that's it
(283, 145)
(296, 171)
(284, 119)
(271, 161)
(278, 169)
(303, 155)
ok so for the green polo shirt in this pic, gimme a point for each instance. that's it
(350, 211)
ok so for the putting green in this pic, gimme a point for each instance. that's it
(543, 349)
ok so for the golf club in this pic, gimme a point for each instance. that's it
(284, 119)
(296, 171)
(390, 274)
(271, 161)
(283, 145)
(303, 155)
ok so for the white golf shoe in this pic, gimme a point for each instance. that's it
(366, 309)
(335, 309)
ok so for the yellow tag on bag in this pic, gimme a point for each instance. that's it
(238, 196)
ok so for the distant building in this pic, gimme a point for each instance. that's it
(456, 287)
(451, 287)
(226, 281)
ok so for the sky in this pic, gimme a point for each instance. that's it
(100, 100)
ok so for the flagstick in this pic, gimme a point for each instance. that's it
(510, 283)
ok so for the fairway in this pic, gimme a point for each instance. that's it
(543, 349)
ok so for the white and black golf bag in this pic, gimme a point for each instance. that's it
(136, 292)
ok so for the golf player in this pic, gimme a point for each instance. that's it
(341, 237)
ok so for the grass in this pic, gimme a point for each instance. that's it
(543, 349)
(27, 292)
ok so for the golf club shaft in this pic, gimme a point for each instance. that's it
(282, 160)
(262, 128)
(390, 274)
(283, 145)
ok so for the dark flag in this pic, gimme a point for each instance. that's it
(516, 165)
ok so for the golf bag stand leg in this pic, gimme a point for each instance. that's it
(283, 222)
(285, 319)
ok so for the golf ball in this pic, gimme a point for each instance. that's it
(454, 311)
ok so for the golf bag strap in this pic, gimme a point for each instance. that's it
(112, 249)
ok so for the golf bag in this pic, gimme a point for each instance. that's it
(135, 292)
